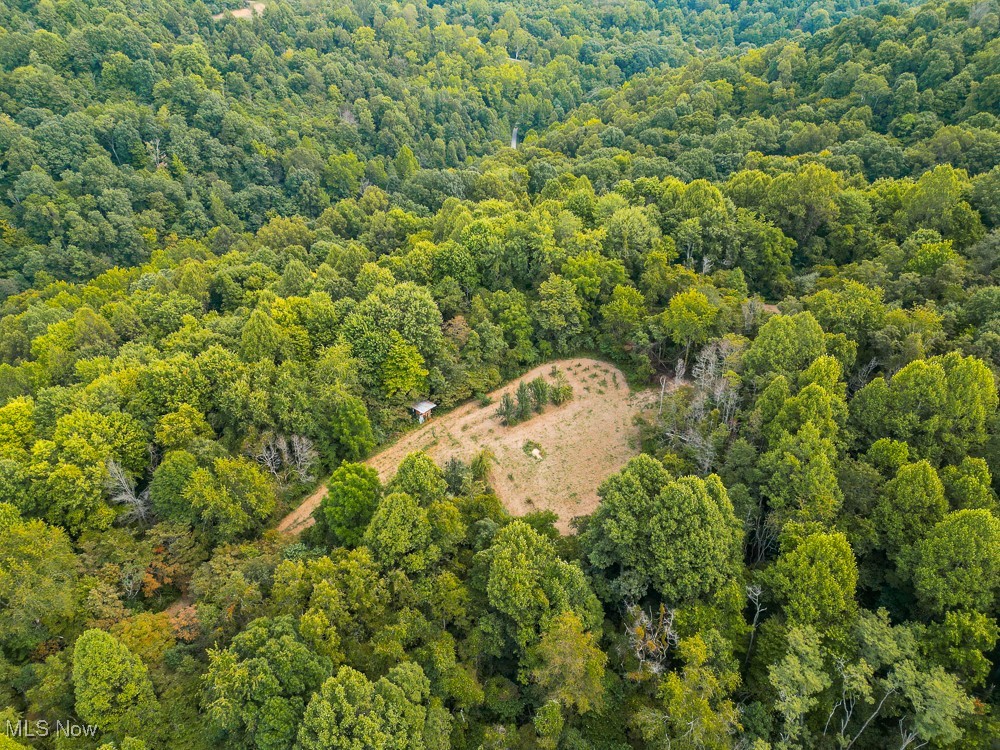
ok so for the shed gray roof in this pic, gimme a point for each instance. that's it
(423, 407)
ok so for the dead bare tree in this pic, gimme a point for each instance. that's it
(908, 736)
(650, 638)
(268, 455)
(156, 154)
(702, 446)
(863, 375)
(752, 309)
(131, 579)
(871, 717)
(301, 458)
(154, 457)
(754, 592)
(705, 417)
(762, 535)
(121, 489)
(679, 371)
(285, 457)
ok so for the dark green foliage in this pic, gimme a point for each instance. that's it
(526, 585)
(940, 580)
(235, 248)
(352, 495)
(540, 390)
(350, 711)
(166, 490)
(507, 410)
(258, 687)
(531, 397)
(679, 537)
(525, 401)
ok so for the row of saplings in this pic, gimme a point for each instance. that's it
(532, 396)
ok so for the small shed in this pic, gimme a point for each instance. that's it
(423, 410)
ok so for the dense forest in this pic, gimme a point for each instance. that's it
(234, 251)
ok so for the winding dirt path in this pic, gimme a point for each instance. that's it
(579, 444)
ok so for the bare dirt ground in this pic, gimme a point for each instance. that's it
(252, 9)
(580, 443)
(301, 518)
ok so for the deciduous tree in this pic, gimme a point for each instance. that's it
(112, 687)
(352, 495)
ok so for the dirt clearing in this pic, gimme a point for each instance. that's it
(553, 461)
(252, 9)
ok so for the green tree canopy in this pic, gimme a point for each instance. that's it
(352, 495)
(232, 499)
(956, 565)
(257, 688)
(679, 537)
(112, 687)
(39, 575)
(526, 585)
(351, 711)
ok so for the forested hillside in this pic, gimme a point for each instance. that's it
(234, 251)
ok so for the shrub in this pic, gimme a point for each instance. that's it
(525, 401)
(562, 391)
(507, 410)
(539, 393)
